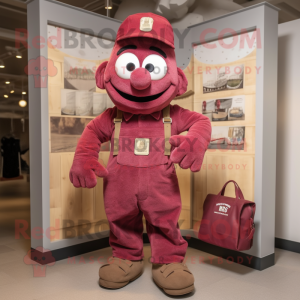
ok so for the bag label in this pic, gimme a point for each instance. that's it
(222, 209)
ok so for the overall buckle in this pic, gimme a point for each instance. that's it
(167, 120)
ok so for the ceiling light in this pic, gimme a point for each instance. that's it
(5, 96)
(7, 82)
(23, 93)
(18, 54)
(108, 4)
(22, 103)
(2, 65)
(12, 91)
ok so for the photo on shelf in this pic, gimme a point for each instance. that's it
(223, 78)
(224, 109)
(68, 101)
(99, 103)
(227, 138)
(84, 103)
(79, 74)
(66, 132)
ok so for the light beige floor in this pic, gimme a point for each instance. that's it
(215, 279)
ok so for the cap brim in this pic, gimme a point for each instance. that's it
(146, 35)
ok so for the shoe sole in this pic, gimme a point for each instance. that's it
(180, 292)
(116, 285)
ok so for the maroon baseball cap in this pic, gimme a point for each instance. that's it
(147, 25)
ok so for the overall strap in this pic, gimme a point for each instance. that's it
(167, 120)
(117, 121)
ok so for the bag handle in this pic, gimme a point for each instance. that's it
(238, 192)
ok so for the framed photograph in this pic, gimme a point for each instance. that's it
(65, 133)
(68, 102)
(227, 137)
(99, 103)
(79, 74)
(224, 109)
(224, 78)
(84, 103)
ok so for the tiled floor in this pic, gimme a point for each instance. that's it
(215, 279)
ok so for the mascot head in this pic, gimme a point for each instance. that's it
(141, 76)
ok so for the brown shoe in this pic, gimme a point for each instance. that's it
(175, 279)
(119, 272)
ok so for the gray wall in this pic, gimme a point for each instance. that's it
(288, 142)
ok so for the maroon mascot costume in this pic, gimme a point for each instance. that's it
(142, 78)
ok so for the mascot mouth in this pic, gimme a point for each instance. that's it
(139, 99)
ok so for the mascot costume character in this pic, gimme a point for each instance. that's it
(142, 78)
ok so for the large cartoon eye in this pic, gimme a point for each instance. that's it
(156, 65)
(125, 64)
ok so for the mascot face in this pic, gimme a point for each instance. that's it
(141, 76)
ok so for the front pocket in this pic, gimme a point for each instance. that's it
(155, 157)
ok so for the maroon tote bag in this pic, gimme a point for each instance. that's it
(228, 222)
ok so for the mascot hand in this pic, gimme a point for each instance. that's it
(189, 152)
(83, 172)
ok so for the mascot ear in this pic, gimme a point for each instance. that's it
(100, 75)
(182, 82)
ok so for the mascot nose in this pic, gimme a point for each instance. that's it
(140, 78)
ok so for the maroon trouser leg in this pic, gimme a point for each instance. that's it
(130, 192)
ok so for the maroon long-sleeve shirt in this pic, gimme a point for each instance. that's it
(101, 130)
